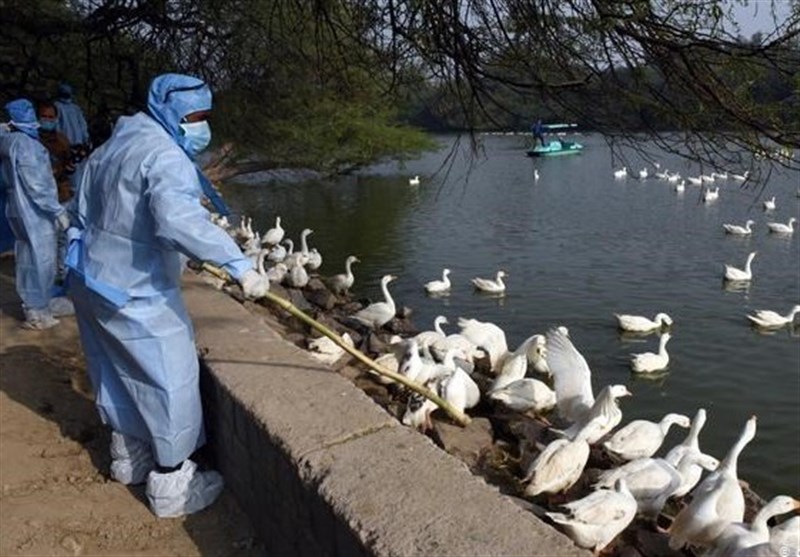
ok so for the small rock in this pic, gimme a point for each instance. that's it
(315, 285)
(299, 301)
(402, 327)
(72, 545)
(404, 312)
(653, 544)
(468, 442)
(321, 298)
(351, 372)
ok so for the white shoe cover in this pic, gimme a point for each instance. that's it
(61, 306)
(131, 459)
(182, 492)
(39, 319)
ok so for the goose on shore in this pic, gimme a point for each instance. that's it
(495, 286)
(780, 228)
(439, 286)
(426, 338)
(642, 438)
(767, 319)
(273, 236)
(736, 274)
(738, 537)
(605, 409)
(690, 445)
(341, 283)
(378, 314)
(650, 362)
(639, 324)
(524, 395)
(572, 378)
(594, 521)
(737, 230)
(487, 336)
(717, 502)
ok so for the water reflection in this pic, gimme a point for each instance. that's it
(736, 286)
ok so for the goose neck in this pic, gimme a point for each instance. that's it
(386, 295)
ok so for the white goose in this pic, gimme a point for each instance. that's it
(296, 277)
(314, 260)
(278, 253)
(652, 480)
(537, 354)
(413, 181)
(717, 502)
(594, 521)
(735, 274)
(767, 319)
(277, 273)
(326, 351)
(273, 236)
(572, 378)
(643, 174)
(769, 204)
(524, 395)
(737, 230)
(439, 286)
(605, 409)
(786, 534)
(695, 181)
(378, 314)
(560, 464)
(426, 338)
(680, 188)
(650, 362)
(710, 195)
(738, 537)
(780, 228)
(741, 177)
(460, 390)
(707, 178)
(639, 324)
(342, 282)
(487, 336)
(495, 286)
(514, 364)
(642, 438)
(689, 446)
(621, 173)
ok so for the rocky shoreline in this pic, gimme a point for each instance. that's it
(497, 445)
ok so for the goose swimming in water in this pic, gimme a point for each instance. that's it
(780, 228)
(639, 324)
(378, 314)
(769, 204)
(741, 177)
(495, 286)
(695, 181)
(341, 283)
(621, 173)
(650, 362)
(594, 521)
(439, 286)
(737, 230)
(767, 319)
(643, 174)
(735, 274)
(273, 236)
(680, 188)
(413, 181)
(642, 438)
(717, 501)
(710, 195)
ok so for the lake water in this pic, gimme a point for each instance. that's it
(578, 246)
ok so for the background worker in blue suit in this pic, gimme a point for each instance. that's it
(33, 213)
(71, 121)
(138, 215)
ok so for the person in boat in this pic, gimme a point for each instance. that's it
(538, 133)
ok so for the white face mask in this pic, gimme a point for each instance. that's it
(196, 137)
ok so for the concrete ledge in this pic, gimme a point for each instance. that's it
(323, 470)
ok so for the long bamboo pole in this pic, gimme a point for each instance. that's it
(459, 417)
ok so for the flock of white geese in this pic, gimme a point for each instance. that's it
(547, 375)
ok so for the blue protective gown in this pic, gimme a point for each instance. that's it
(31, 209)
(139, 208)
(71, 122)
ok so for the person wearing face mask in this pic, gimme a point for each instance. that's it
(57, 145)
(33, 213)
(138, 215)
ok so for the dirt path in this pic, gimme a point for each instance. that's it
(56, 497)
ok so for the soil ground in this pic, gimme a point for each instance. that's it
(56, 497)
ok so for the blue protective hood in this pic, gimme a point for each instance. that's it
(23, 117)
(172, 97)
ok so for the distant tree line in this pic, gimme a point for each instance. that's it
(337, 84)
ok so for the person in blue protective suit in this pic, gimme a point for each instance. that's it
(538, 133)
(34, 215)
(138, 214)
(71, 121)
